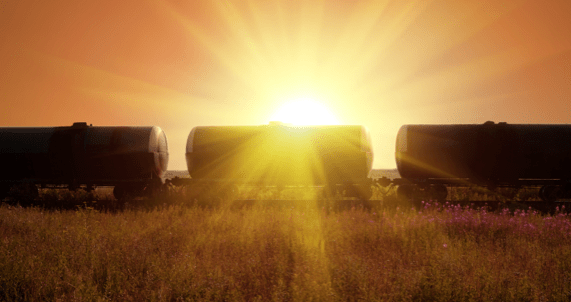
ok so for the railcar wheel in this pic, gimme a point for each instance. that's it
(438, 192)
(365, 191)
(153, 189)
(360, 191)
(411, 194)
(119, 192)
(405, 192)
(550, 193)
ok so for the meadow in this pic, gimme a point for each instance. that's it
(175, 250)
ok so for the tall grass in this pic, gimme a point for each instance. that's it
(297, 253)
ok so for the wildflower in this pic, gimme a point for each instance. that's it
(445, 245)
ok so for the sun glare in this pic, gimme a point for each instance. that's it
(304, 111)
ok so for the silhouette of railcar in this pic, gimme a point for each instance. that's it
(432, 157)
(336, 157)
(132, 159)
(429, 158)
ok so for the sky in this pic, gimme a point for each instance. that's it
(180, 64)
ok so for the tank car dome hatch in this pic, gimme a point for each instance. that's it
(80, 125)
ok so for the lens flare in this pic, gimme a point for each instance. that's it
(304, 111)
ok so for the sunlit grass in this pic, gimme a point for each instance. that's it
(300, 252)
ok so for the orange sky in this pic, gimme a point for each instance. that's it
(180, 64)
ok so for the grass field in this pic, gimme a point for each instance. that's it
(298, 252)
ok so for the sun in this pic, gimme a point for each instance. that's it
(304, 111)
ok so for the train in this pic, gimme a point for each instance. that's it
(434, 157)
(132, 159)
(430, 158)
(336, 157)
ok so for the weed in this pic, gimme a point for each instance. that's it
(297, 252)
